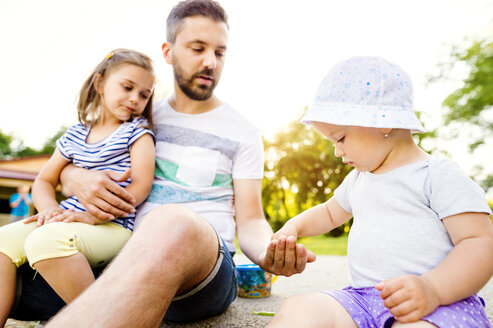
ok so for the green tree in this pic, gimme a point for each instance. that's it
(471, 103)
(5, 141)
(301, 171)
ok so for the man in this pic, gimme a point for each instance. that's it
(178, 261)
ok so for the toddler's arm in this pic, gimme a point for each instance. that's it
(315, 221)
(463, 272)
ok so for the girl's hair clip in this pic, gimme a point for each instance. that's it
(110, 55)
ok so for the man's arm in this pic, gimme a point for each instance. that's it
(281, 257)
(98, 191)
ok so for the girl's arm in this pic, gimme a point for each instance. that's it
(463, 272)
(43, 190)
(142, 161)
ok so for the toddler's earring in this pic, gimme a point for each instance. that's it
(386, 135)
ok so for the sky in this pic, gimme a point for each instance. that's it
(278, 53)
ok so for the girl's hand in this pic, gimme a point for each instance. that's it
(45, 215)
(71, 216)
(408, 298)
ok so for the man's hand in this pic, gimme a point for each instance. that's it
(99, 192)
(284, 257)
(408, 298)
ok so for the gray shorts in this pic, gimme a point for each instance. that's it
(212, 296)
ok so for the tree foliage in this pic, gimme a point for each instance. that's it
(11, 147)
(472, 103)
(301, 171)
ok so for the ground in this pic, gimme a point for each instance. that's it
(328, 272)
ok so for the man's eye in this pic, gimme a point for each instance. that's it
(341, 139)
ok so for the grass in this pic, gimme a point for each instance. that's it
(321, 245)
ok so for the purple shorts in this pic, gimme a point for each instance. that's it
(367, 310)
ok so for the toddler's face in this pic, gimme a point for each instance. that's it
(361, 147)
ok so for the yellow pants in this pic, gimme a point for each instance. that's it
(99, 243)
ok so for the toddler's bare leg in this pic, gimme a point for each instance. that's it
(419, 324)
(7, 287)
(312, 310)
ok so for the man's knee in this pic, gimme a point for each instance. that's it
(175, 222)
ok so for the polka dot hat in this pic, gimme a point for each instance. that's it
(365, 91)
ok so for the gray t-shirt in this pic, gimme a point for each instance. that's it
(397, 227)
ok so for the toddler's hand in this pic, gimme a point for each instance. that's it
(45, 215)
(408, 298)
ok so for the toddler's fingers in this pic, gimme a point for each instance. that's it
(395, 299)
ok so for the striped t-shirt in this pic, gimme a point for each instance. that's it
(197, 158)
(111, 153)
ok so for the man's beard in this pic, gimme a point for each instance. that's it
(201, 92)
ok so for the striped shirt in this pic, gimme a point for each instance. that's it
(111, 153)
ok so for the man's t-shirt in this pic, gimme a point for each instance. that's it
(197, 158)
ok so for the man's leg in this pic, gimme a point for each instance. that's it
(173, 250)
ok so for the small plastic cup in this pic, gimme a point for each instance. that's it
(253, 282)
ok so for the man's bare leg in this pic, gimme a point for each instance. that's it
(172, 251)
(8, 273)
(68, 276)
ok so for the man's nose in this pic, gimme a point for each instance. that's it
(210, 60)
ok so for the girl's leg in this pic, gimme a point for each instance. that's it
(12, 255)
(312, 310)
(8, 273)
(64, 253)
(57, 271)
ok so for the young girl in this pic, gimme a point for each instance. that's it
(115, 113)
(421, 243)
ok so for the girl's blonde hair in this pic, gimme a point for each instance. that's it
(89, 98)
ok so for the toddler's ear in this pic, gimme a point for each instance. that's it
(386, 131)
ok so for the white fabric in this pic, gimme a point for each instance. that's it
(397, 227)
(197, 158)
(365, 91)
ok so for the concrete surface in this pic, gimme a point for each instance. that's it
(328, 272)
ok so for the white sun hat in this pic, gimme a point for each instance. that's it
(365, 91)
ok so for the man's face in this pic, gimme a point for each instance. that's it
(198, 56)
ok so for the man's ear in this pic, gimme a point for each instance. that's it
(166, 48)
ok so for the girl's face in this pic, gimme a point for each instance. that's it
(364, 148)
(124, 91)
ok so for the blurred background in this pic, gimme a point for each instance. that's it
(278, 53)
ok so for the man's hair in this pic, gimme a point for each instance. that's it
(187, 8)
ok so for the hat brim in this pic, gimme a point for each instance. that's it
(362, 115)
